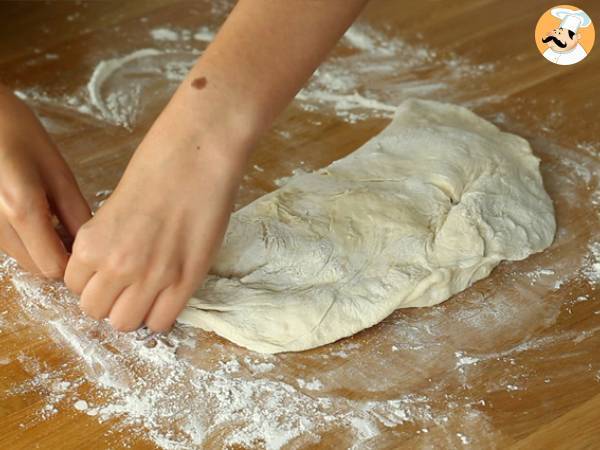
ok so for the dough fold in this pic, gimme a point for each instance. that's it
(418, 213)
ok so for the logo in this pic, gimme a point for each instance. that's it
(564, 35)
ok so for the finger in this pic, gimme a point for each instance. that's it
(99, 295)
(11, 244)
(68, 203)
(77, 274)
(37, 233)
(167, 306)
(131, 308)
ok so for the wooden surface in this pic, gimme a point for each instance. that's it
(512, 362)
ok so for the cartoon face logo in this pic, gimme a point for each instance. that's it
(561, 40)
(561, 32)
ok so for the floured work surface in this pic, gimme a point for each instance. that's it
(490, 367)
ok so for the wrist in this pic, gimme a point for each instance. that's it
(198, 137)
(208, 107)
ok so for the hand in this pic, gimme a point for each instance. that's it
(149, 247)
(35, 184)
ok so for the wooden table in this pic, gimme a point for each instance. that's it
(512, 362)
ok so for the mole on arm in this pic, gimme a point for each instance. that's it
(199, 83)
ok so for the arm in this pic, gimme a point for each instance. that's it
(149, 248)
(262, 56)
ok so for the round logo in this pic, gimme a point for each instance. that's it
(565, 35)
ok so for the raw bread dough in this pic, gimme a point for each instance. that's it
(420, 212)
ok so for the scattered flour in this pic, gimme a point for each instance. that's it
(162, 394)
(118, 107)
(173, 35)
(462, 360)
(367, 83)
(151, 386)
(312, 385)
(174, 396)
(380, 74)
(80, 405)
(204, 34)
(591, 270)
(257, 366)
(164, 34)
(463, 439)
(46, 381)
(540, 273)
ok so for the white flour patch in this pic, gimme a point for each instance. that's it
(3, 320)
(174, 35)
(379, 73)
(204, 34)
(463, 360)
(311, 385)
(49, 383)
(591, 148)
(579, 169)
(164, 34)
(591, 270)
(547, 275)
(118, 88)
(80, 405)
(162, 394)
(257, 366)
(119, 107)
(374, 74)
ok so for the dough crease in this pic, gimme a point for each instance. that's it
(417, 214)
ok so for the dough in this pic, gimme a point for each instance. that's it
(420, 212)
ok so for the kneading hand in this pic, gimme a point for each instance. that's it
(150, 245)
(35, 184)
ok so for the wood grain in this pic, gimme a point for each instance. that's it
(534, 380)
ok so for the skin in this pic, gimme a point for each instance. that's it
(563, 36)
(145, 252)
(35, 185)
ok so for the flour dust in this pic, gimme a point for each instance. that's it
(419, 375)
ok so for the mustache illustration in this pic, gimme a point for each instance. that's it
(556, 41)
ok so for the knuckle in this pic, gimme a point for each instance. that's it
(89, 310)
(71, 286)
(184, 286)
(53, 273)
(53, 267)
(159, 324)
(122, 263)
(120, 323)
(84, 248)
(166, 273)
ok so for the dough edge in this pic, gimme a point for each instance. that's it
(211, 316)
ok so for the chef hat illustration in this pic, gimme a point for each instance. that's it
(571, 19)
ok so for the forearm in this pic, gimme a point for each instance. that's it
(18, 124)
(261, 57)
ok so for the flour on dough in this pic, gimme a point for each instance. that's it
(420, 212)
